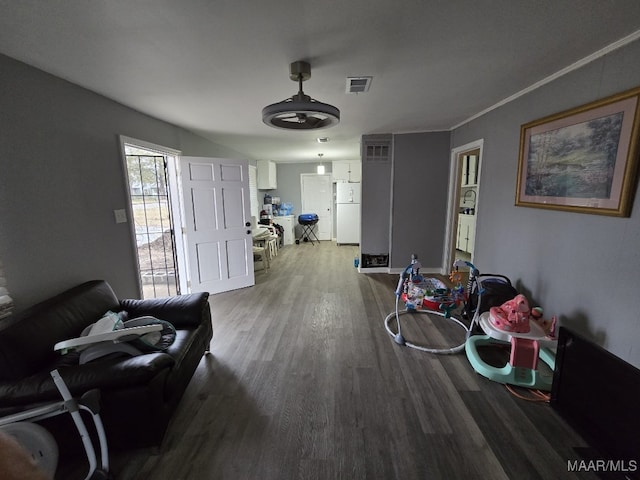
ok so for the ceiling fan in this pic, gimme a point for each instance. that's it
(300, 112)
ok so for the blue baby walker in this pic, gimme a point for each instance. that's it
(425, 296)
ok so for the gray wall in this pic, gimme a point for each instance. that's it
(61, 177)
(581, 267)
(289, 187)
(420, 185)
(404, 202)
(376, 201)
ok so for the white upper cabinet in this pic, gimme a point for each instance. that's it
(346, 171)
(267, 175)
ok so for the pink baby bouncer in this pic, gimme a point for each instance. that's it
(509, 322)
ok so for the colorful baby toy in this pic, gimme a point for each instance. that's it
(512, 315)
(427, 296)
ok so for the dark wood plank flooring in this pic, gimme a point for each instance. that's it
(303, 382)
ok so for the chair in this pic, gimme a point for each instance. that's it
(260, 255)
(265, 237)
(272, 246)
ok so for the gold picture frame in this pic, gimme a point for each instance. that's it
(584, 159)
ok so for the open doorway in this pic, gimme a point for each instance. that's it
(464, 186)
(154, 212)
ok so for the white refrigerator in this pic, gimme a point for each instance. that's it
(348, 213)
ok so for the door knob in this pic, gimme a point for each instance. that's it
(248, 224)
(248, 232)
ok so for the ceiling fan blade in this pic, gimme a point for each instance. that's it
(312, 120)
(293, 117)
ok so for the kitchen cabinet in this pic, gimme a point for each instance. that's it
(267, 175)
(346, 171)
(465, 239)
(287, 223)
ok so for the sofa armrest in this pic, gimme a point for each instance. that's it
(188, 310)
(103, 374)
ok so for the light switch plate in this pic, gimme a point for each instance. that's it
(121, 215)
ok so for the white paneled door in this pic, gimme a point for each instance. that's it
(217, 222)
(317, 197)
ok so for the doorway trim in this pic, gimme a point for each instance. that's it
(455, 175)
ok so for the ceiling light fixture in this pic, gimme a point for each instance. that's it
(300, 112)
(320, 168)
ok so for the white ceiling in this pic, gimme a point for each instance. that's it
(211, 66)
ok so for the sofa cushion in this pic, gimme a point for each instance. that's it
(27, 339)
(182, 311)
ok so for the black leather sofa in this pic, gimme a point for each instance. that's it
(138, 393)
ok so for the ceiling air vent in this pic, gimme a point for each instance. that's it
(358, 84)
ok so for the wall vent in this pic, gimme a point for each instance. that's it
(358, 84)
(377, 153)
(377, 148)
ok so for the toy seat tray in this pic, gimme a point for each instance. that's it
(427, 293)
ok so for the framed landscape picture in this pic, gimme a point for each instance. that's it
(584, 159)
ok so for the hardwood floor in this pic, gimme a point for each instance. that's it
(303, 382)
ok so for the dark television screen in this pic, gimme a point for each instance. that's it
(598, 394)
